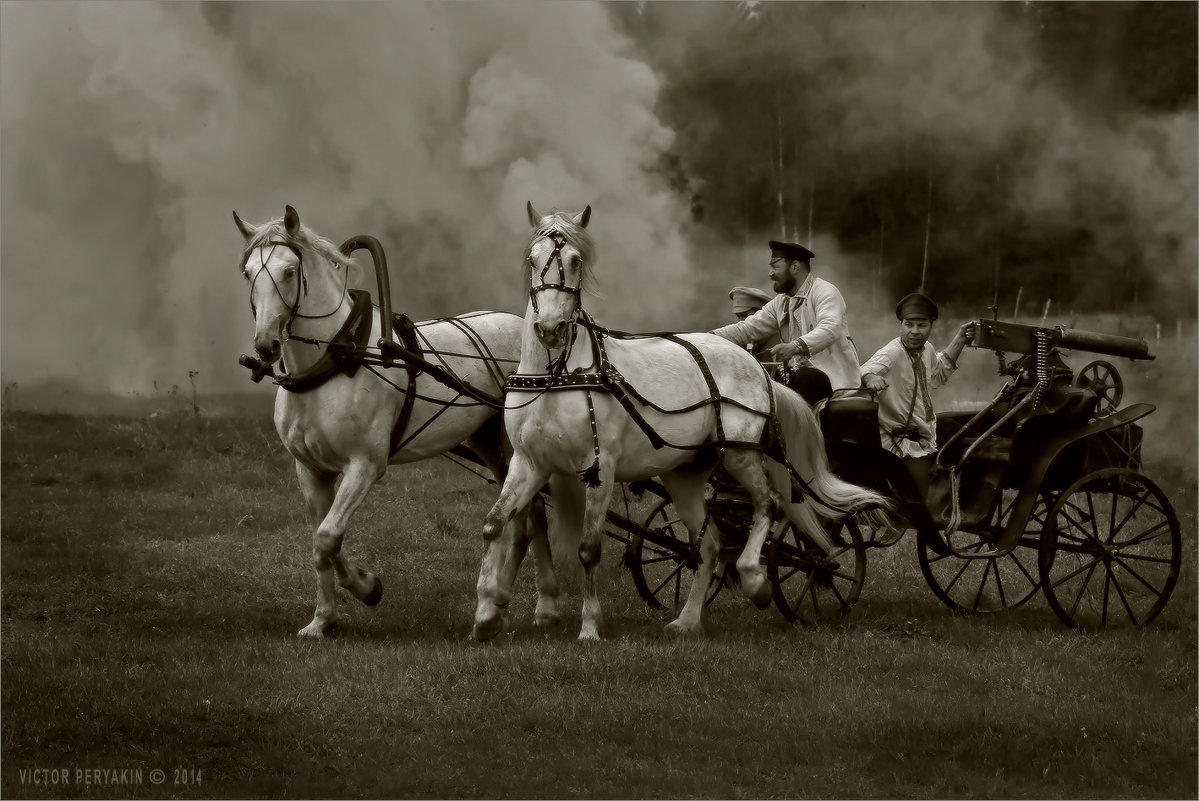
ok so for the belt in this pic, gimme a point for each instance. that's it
(912, 434)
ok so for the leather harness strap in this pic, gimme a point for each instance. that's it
(340, 355)
(402, 324)
(608, 378)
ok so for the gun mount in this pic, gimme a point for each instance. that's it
(1040, 369)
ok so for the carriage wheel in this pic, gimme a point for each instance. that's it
(1104, 380)
(663, 573)
(1111, 553)
(987, 584)
(811, 586)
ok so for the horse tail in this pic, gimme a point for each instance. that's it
(803, 446)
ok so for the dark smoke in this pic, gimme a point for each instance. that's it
(1059, 141)
(1053, 143)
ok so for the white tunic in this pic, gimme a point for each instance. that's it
(815, 314)
(905, 404)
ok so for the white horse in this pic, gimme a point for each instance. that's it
(572, 409)
(338, 417)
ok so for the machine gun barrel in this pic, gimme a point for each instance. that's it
(1108, 344)
(1019, 338)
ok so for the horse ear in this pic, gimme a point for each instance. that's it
(534, 217)
(582, 217)
(246, 229)
(291, 221)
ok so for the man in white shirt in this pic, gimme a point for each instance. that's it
(903, 372)
(808, 315)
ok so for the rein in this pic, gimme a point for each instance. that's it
(293, 308)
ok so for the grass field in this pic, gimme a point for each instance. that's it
(155, 571)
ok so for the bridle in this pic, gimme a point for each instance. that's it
(301, 283)
(555, 236)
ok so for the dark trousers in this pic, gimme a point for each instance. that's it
(921, 468)
(811, 384)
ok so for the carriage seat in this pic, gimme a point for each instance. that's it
(992, 449)
(851, 416)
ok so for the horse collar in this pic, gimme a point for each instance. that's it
(341, 355)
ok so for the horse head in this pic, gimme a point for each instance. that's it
(558, 258)
(273, 264)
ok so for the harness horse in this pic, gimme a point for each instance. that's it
(346, 410)
(608, 408)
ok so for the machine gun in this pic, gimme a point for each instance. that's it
(1040, 368)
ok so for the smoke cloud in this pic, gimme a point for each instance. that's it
(131, 130)
(1051, 145)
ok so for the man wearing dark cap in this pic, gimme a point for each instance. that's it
(808, 315)
(903, 372)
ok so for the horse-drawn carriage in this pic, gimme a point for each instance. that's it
(1048, 469)
(1039, 489)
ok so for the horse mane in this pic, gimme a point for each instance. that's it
(576, 235)
(305, 239)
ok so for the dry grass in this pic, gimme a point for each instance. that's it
(155, 572)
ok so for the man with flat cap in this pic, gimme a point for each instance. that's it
(746, 301)
(808, 316)
(903, 372)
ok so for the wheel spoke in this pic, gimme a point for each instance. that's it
(837, 592)
(1107, 583)
(1144, 536)
(982, 585)
(1082, 588)
(807, 587)
(1140, 501)
(1123, 600)
(958, 575)
(841, 575)
(830, 581)
(1138, 576)
(1137, 540)
(671, 576)
(1031, 579)
(1089, 566)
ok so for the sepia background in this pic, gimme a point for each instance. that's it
(1036, 161)
(1038, 154)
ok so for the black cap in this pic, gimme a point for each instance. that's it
(790, 250)
(916, 304)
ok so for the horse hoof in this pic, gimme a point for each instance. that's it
(318, 630)
(544, 621)
(761, 600)
(678, 629)
(489, 629)
(376, 593)
(755, 588)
